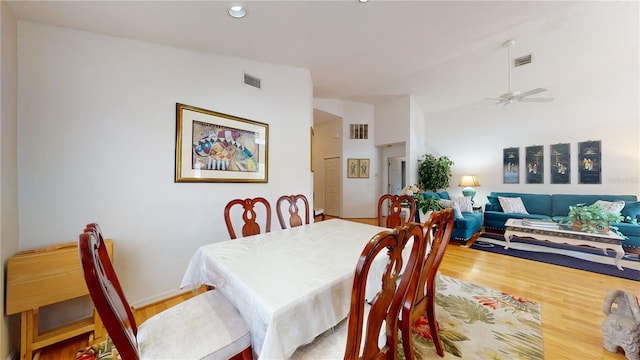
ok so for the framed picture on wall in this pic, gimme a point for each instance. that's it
(511, 165)
(215, 147)
(352, 168)
(560, 157)
(590, 162)
(534, 156)
(364, 168)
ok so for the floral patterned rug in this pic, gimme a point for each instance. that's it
(480, 323)
(474, 323)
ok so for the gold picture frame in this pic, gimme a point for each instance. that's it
(363, 168)
(352, 168)
(216, 147)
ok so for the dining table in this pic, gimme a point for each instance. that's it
(289, 285)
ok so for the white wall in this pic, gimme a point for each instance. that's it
(358, 195)
(8, 165)
(96, 137)
(590, 65)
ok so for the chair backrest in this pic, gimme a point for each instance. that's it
(395, 209)
(437, 232)
(250, 226)
(386, 305)
(106, 293)
(294, 217)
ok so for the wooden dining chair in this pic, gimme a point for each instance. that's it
(250, 226)
(292, 202)
(437, 232)
(395, 209)
(206, 325)
(372, 320)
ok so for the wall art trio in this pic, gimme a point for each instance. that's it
(589, 164)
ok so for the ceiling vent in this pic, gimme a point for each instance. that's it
(523, 60)
(252, 81)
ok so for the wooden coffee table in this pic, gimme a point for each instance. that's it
(610, 240)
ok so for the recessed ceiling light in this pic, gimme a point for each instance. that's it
(363, 1)
(237, 12)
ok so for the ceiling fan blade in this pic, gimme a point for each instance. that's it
(531, 92)
(538, 100)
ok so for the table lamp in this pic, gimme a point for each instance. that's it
(469, 181)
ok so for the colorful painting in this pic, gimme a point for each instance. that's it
(511, 165)
(560, 156)
(215, 147)
(222, 148)
(590, 162)
(535, 164)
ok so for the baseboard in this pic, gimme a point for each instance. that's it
(158, 298)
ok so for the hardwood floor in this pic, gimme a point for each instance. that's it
(570, 300)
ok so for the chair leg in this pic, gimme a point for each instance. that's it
(431, 315)
(407, 341)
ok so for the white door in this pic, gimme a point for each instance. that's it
(332, 193)
(396, 173)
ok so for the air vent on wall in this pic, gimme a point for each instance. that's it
(252, 81)
(523, 60)
(358, 131)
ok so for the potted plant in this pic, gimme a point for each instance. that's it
(424, 204)
(593, 218)
(434, 173)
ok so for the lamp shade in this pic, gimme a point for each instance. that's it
(469, 180)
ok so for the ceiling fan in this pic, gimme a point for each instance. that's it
(512, 96)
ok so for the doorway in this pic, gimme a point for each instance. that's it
(332, 186)
(397, 178)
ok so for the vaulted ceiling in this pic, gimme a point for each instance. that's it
(356, 51)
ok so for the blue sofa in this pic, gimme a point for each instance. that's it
(463, 229)
(556, 207)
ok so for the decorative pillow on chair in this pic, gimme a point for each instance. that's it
(464, 203)
(451, 204)
(610, 206)
(512, 205)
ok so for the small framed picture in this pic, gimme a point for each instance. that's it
(352, 168)
(363, 168)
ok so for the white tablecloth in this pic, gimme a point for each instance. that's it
(289, 285)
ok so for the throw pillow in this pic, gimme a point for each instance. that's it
(452, 204)
(512, 205)
(631, 211)
(494, 201)
(464, 203)
(610, 206)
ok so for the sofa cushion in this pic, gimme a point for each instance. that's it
(534, 203)
(512, 205)
(631, 209)
(469, 221)
(444, 195)
(561, 202)
(502, 217)
(493, 204)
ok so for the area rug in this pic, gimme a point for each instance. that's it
(480, 323)
(576, 257)
(474, 323)
(104, 350)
